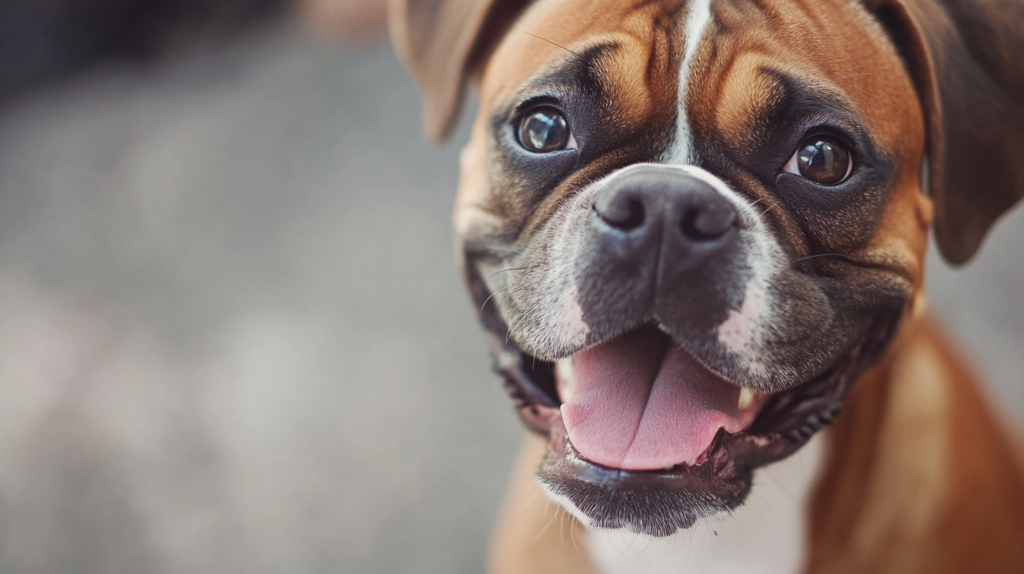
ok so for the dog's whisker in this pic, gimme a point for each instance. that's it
(561, 524)
(782, 486)
(492, 295)
(625, 543)
(572, 533)
(508, 249)
(524, 227)
(516, 322)
(848, 76)
(707, 526)
(732, 516)
(552, 43)
(511, 327)
(647, 544)
(533, 497)
(505, 299)
(839, 255)
(491, 276)
(550, 521)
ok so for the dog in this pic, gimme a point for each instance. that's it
(695, 231)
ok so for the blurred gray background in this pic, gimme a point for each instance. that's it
(232, 335)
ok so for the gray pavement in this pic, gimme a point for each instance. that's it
(233, 338)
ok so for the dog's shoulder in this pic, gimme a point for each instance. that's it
(920, 473)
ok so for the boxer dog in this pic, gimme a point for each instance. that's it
(695, 231)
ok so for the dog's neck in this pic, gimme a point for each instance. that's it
(765, 535)
(916, 455)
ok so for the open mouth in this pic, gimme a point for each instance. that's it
(645, 438)
(640, 402)
(642, 436)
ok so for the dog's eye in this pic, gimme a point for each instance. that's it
(821, 159)
(545, 130)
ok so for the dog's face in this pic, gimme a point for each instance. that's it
(689, 227)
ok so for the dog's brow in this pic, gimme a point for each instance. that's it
(550, 42)
(786, 96)
(804, 92)
(574, 72)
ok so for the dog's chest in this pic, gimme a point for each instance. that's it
(765, 535)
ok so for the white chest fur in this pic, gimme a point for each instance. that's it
(765, 535)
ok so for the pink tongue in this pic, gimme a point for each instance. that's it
(631, 405)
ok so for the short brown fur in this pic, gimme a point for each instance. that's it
(919, 477)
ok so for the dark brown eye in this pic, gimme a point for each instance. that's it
(821, 159)
(544, 130)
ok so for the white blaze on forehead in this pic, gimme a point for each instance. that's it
(697, 18)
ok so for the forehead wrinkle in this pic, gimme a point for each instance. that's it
(611, 61)
(559, 77)
(754, 90)
(745, 94)
(571, 24)
(823, 98)
(812, 94)
(793, 32)
(641, 74)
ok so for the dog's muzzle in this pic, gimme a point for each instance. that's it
(646, 345)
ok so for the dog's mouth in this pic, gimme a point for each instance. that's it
(644, 437)
(640, 402)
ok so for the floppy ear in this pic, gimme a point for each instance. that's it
(443, 43)
(966, 58)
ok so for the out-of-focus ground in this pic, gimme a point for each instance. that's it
(232, 335)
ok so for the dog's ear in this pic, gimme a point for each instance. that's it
(444, 43)
(966, 58)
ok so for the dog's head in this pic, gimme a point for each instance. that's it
(690, 225)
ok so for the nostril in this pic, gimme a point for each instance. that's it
(624, 215)
(707, 222)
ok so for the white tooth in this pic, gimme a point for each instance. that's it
(565, 367)
(746, 397)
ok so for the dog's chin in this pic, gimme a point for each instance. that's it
(614, 461)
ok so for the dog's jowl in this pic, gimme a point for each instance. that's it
(695, 230)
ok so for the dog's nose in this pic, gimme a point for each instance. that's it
(663, 209)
